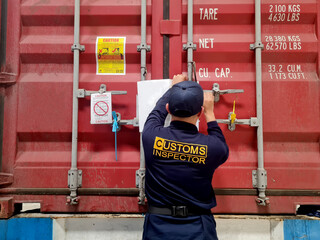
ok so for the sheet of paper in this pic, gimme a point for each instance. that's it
(149, 93)
(101, 108)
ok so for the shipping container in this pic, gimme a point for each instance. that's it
(36, 98)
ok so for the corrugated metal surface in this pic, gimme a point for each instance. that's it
(38, 107)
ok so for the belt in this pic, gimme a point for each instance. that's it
(178, 211)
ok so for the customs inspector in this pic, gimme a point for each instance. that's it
(180, 163)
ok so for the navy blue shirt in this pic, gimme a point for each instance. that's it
(180, 163)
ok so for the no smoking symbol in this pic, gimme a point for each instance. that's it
(101, 108)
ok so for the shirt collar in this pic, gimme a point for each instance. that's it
(184, 126)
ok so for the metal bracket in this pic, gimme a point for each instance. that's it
(263, 201)
(103, 88)
(74, 199)
(74, 178)
(259, 178)
(259, 181)
(140, 183)
(217, 92)
(254, 122)
(189, 45)
(81, 93)
(74, 182)
(143, 46)
(253, 46)
(79, 47)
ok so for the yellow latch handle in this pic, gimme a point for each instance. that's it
(233, 115)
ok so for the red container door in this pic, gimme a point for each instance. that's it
(223, 32)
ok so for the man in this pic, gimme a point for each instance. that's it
(180, 163)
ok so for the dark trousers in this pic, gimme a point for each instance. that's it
(162, 227)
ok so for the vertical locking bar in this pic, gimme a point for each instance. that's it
(190, 39)
(74, 176)
(260, 172)
(143, 39)
(141, 172)
(140, 175)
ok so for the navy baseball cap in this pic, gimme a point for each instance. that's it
(186, 99)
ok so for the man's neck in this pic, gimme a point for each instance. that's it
(192, 119)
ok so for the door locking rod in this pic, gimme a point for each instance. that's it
(252, 122)
(217, 91)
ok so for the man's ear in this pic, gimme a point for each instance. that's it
(167, 108)
(201, 112)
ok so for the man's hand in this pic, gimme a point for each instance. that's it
(179, 78)
(208, 106)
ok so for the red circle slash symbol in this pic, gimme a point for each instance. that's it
(101, 108)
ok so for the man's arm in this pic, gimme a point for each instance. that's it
(214, 130)
(158, 115)
(213, 127)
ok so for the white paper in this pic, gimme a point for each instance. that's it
(149, 93)
(101, 108)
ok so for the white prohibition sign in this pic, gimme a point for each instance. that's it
(101, 108)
